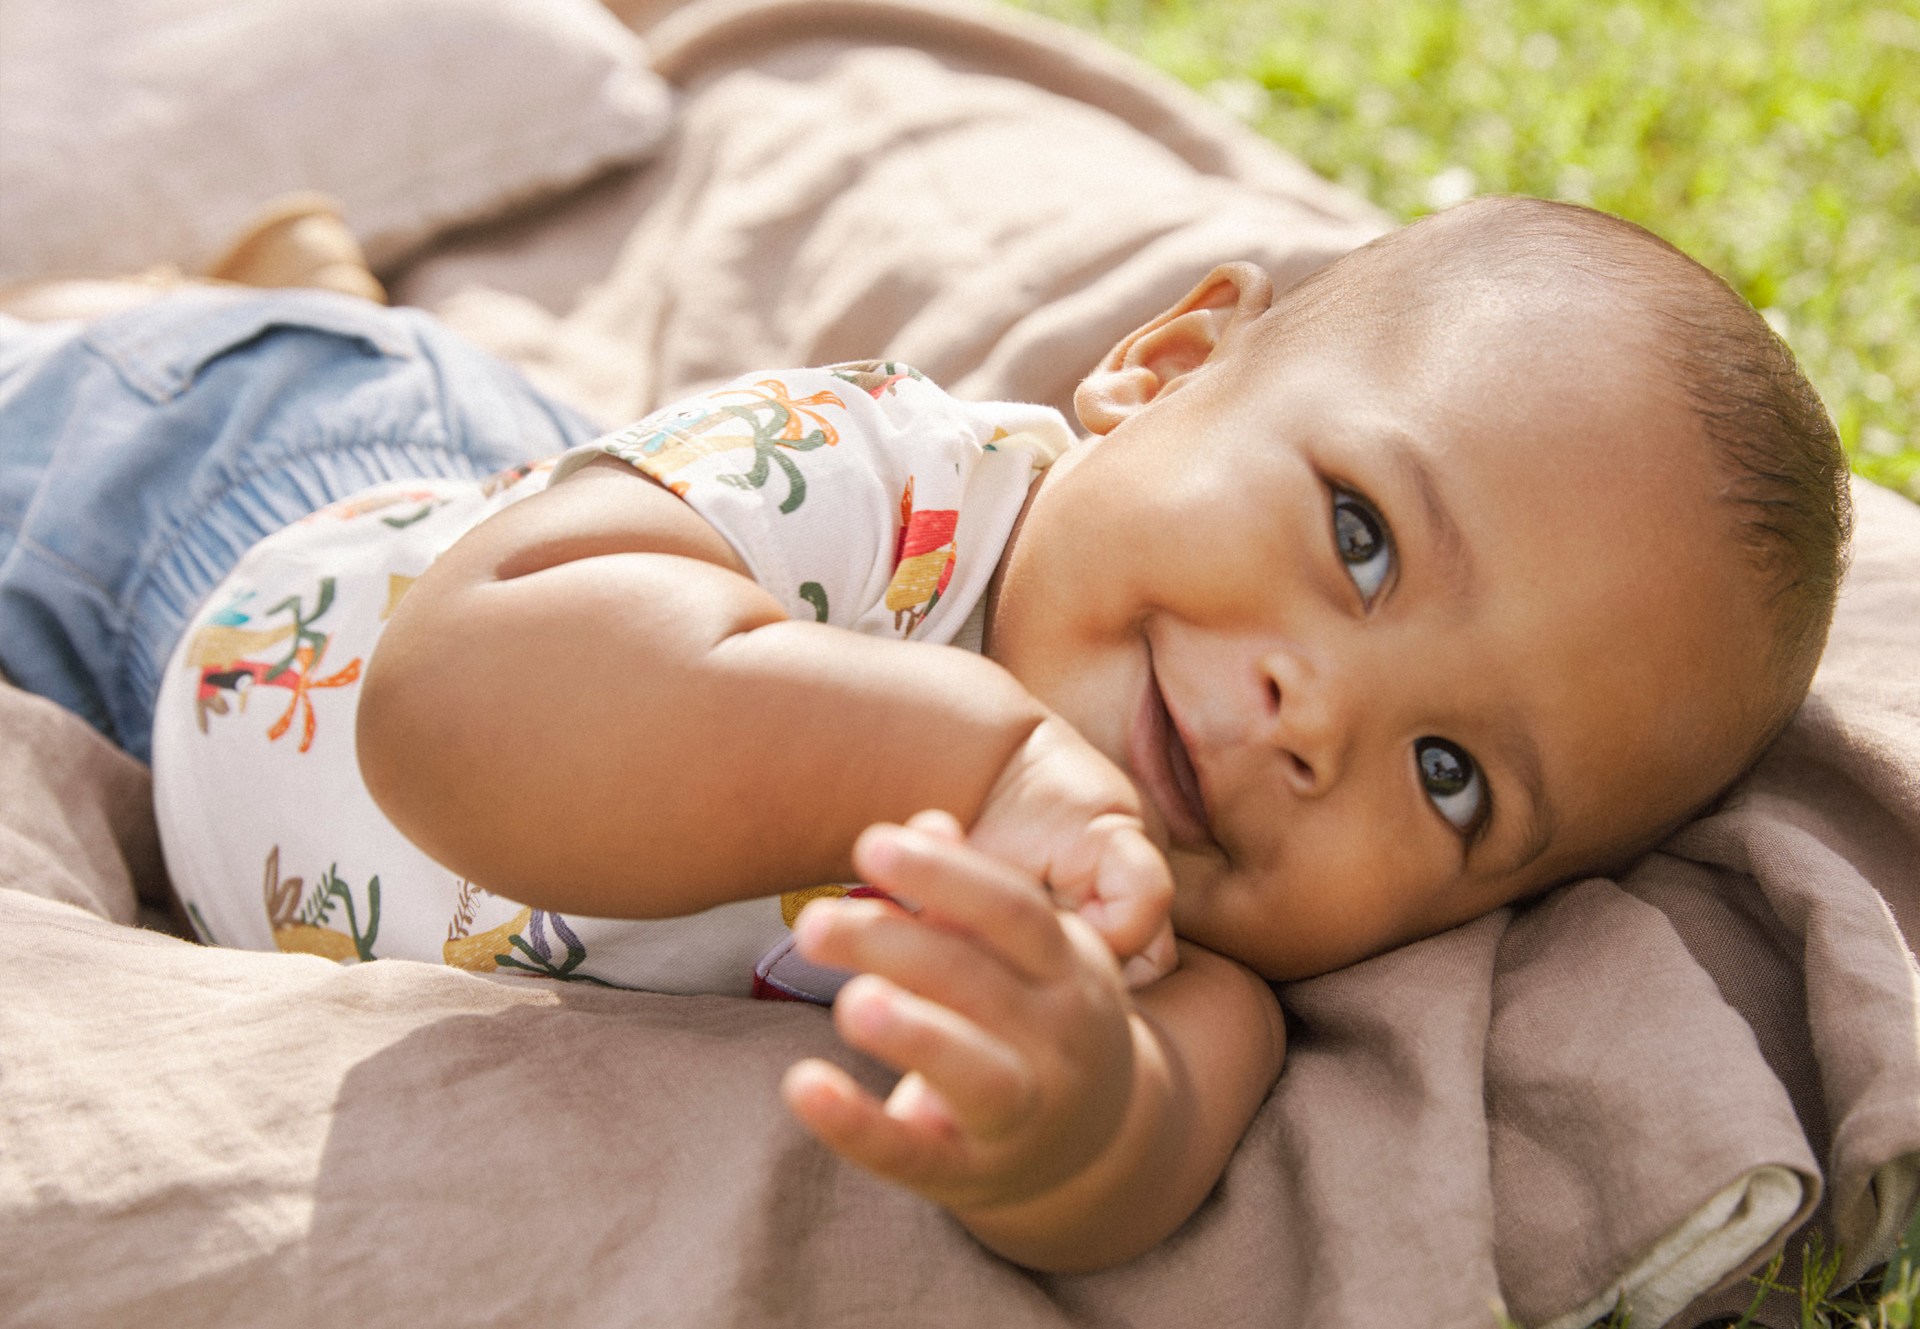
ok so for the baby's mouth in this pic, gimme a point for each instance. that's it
(1160, 759)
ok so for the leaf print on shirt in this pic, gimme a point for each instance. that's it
(299, 924)
(519, 944)
(923, 558)
(226, 649)
(815, 595)
(877, 378)
(420, 504)
(535, 955)
(770, 421)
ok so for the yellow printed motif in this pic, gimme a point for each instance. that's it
(792, 902)
(923, 558)
(398, 584)
(481, 952)
(220, 644)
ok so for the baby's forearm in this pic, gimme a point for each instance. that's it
(643, 733)
(1208, 1043)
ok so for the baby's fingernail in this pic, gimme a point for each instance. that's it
(877, 851)
(866, 1002)
(935, 822)
(809, 923)
(869, 1016)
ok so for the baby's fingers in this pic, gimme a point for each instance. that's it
(940, 824)
(1132, 894)
(960, 887)
(985, 1084)
(916, 1147)
(1152, 962)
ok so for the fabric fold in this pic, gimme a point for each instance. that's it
(1642, 1147)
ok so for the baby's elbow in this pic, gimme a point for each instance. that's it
(396, 759)
(418, 760)
(454, 742)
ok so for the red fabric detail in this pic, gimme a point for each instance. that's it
(765, 991)
(927, 530)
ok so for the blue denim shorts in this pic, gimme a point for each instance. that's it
(141, 454)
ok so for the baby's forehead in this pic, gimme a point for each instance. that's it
(1468, 276)
(1469, 369)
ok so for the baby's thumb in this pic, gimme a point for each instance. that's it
(1158, 958)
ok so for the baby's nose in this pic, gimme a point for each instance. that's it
(1307, 718)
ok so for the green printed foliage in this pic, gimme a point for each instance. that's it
(304, 633)
(331, 890)
(816, 595)
(768, 420)
(534, 953)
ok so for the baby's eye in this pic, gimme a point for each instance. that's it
(1361, 538)
(1453, 782)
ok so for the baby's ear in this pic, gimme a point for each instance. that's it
(1157, 354)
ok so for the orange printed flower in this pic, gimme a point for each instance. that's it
(299, 678)
(792, 431)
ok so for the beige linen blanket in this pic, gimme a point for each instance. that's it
(1632, 1088)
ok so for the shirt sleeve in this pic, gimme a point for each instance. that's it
(839, 488)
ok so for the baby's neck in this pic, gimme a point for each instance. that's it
(1006, 556)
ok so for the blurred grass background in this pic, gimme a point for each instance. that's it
(1778, 141)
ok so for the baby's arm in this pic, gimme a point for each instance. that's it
(1068, 1126)
(587, 704)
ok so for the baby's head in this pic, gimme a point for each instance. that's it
(1479, 561)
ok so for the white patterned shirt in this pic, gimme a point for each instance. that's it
(858, 495)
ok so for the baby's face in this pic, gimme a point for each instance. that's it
(1389, 637)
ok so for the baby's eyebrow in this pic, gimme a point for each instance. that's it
(1456, 559)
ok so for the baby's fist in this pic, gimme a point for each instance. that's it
(1065, 813)
(1125, 895)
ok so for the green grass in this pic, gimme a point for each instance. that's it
(1888, 1298)
(1778, 141)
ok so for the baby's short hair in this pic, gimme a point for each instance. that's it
(1785, 474)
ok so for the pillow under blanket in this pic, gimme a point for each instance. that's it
(145, 132)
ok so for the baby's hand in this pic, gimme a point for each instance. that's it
(1070, 817)
(1007, 1018)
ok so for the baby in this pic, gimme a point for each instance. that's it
(1480, 560)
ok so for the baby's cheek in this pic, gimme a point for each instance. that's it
(1323, 902)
